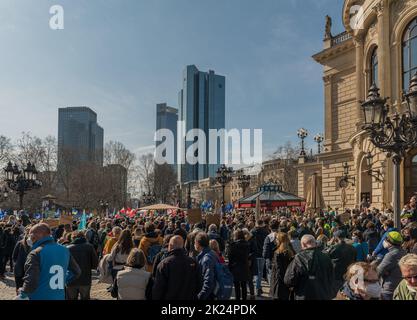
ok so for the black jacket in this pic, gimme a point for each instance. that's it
(260, 234)
(311, 275)
(86, 258)
(178, 277)
(239, 261)
(280, 263)
(371, 236)
(20, 254)
(342, 256)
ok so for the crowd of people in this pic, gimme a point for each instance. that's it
(356, 255)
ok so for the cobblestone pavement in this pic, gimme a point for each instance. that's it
(98, 291)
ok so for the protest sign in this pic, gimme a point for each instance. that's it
(65, 219)
(52, 223)
(194, 216)
(213, 219)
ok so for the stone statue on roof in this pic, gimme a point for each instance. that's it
(328, 32)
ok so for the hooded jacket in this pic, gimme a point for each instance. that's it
(311, 275)
(146, 242)
(86, 258)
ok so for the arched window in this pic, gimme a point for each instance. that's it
(374, 67)
(409, 54)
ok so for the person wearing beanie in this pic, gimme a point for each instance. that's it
(388, 270)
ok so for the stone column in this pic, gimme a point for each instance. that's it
(360, 87)
(383, 47)
(328, 123)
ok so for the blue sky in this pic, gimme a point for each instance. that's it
(122, 57)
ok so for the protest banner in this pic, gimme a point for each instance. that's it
(52, 223)
(65, 219)
(194, 216)
(213, 219)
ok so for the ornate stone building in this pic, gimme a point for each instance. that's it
(378, 46)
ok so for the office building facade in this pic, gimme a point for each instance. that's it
(201, 106)
(79, 136)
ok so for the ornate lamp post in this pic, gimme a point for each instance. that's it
(224, 176)
(318, 138)
(104, 205)
(394, 134)
(149, 198)
(302, 134)
(22, 181)
(4, 194)
(346, 179)
(243, 182)
(377, 174)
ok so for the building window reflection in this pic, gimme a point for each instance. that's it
(409, 53)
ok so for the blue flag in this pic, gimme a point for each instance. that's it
(83, 222)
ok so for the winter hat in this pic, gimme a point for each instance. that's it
(395, 238)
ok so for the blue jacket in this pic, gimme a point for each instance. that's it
(207, 260)
(48, 268)
(380, 251)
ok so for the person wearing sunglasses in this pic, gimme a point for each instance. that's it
(407, 289)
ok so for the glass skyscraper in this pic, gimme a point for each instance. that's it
(201, 106)
(79, 134)
(167, 118)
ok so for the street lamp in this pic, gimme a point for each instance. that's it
(346, 179)
(4, 194)
(318, 138)
(224, 176)
(377, 174)
(394, 134)
(302, 134)
(104, 206)
(22, 181)
(149, 198)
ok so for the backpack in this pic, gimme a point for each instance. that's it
(224, 282)
(153, 250)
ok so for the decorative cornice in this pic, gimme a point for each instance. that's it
(334, 51)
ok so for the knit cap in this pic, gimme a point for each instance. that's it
(395, 238)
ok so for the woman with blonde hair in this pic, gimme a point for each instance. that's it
(283, 256)
(133, 282)
(214, 245)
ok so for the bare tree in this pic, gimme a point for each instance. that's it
(116, 153)
(29, 149)
(48, 164)
(164, 181)
(287, 151)
(288, 156)
(6, 149)
(145, 171)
